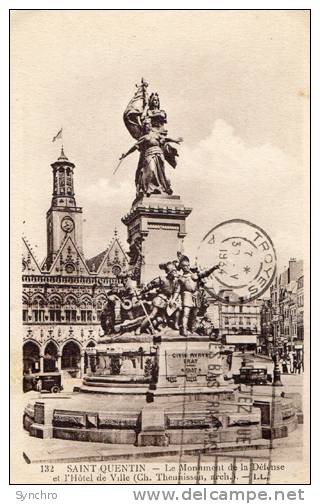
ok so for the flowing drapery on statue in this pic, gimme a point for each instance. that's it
(135, 110)
(145, 122)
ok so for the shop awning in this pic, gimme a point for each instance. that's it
(241, 339)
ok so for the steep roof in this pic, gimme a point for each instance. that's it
(29, 262)
(94, 263)
(108, 262)
(69, 260)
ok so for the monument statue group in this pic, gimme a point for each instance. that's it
(175, 300)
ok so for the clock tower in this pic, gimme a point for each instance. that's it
(63, 217)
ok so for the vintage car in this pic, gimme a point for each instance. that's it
(43, 382)
(252, 376)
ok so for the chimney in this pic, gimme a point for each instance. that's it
(292, 270)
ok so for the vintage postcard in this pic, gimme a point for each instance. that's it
(160, 246)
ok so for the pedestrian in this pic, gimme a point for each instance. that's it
(38, 385)
(299, 366)
(295, 364)
(285, 366)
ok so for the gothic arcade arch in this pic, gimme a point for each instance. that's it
(71, 356)
(31, 357)
(90, 361)
(50, 356)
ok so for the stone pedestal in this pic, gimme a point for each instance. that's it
(278, 416)
(124, 366)
(156, 227)
(153, 427)
(191, 367)
(42, 426)
(163, 368)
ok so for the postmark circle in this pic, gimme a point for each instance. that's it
(246, 257)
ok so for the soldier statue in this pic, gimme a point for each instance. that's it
(108, 314)
(163, 308)
(188, 286)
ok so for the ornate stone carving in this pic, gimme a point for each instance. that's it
(107, 421)
(66, 419)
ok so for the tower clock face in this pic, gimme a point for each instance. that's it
(67, 224)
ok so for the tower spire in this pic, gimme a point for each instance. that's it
(62, 155)
(63, 217)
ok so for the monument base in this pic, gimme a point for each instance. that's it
(164, 366)
(150, 425)
(160, 391)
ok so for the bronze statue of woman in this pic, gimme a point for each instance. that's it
(150, 175)
(145, 121)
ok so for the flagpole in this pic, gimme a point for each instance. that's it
(58, 136)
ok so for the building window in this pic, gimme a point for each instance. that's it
(38, 309)
(55, 309)
(240, 319)
(71, 315)
(25, 315)
(226, 321)
(300, 333)
(38, 315)
(86, 315)
(300, 283)
(99, 306)
(55, 315)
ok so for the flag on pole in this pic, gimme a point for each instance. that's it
(58, 135)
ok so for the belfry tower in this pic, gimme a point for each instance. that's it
(63, 217)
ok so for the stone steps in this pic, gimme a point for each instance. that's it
(129, 452)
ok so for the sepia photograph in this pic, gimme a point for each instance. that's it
(160, 247)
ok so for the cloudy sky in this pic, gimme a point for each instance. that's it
(234, 85)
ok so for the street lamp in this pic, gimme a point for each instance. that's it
(276, 369)
(275, 356)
